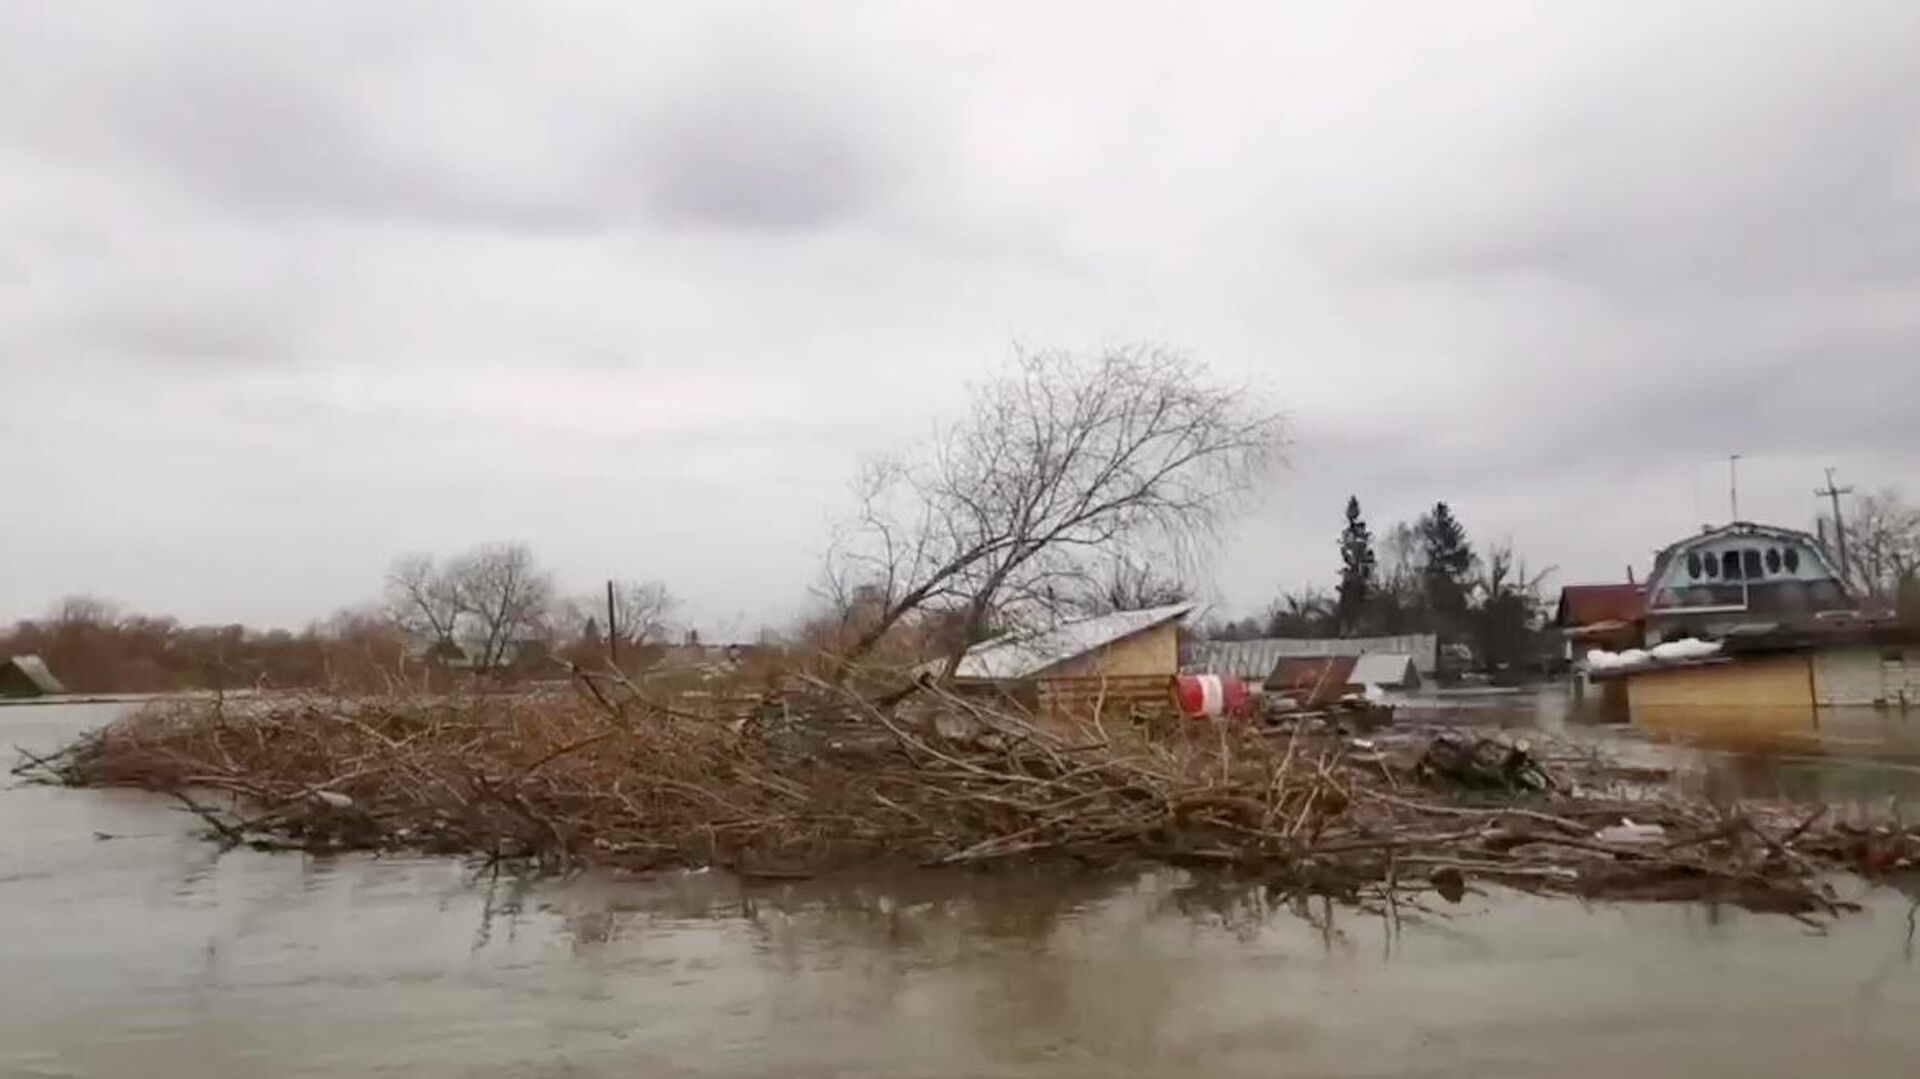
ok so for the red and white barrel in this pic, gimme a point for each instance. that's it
(1204, 696)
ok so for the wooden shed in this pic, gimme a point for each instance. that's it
(1112, 664)
(1769, 665)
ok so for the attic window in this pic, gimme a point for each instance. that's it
(1773, 560)
(1730, 565)
(1750, 564)
(1713, 567)
(1792, 559)
(1693, 565)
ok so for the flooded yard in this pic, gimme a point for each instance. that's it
(149, 953)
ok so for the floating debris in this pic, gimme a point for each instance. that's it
(564, 780)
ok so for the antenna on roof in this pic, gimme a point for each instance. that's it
(1733, 484)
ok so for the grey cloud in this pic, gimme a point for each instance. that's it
(257, 137)
(250, 135)
(1658, 263)
(1521, 263)
(755, 158)
(1752, 161)
(759, 134)
(366, 120)
(213, 334)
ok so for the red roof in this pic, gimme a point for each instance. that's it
(1586, 604)
(1320, 679)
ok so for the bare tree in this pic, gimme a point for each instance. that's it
(640, 610)
(1308, 612)
(1402, 600)
(1057, 465)
(1130, 584)
(1509, 607)
(506, 596)
(423, 599)
(87, 610)
(1883, 548)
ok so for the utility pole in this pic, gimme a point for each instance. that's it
(613, 630)
(1833, 493)
(1733, 484)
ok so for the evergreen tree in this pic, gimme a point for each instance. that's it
(1449, 565)
(1356, 570)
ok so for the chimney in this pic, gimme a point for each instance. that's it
(1630, 579)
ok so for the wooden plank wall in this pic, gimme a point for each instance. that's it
(1115, 698)
(1760, 681)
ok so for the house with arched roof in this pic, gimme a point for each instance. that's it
(1740, 574)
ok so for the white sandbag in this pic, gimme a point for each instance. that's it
(1680, 651)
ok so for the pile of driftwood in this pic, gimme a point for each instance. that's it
(819, 779)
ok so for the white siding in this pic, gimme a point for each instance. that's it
(1900, 671)
(1850, 676)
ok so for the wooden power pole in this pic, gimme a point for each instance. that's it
(1833, 493)
(613, 630)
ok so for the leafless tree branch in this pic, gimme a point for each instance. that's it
(1060, 466)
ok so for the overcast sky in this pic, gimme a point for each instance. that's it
(287, 289)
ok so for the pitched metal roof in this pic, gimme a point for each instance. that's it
(1321, 679)
(1025, 653)
(1385, 669)
(1256, 659)
(35, 670)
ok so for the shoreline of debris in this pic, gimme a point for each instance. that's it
(822, 779)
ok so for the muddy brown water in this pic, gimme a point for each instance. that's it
(150, 954)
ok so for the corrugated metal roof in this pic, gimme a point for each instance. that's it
(1255, 660)
(1023, 654)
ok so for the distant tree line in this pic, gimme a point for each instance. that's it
(491, 611)
(1424, 576)
(94, 647)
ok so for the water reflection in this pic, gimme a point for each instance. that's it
(1859, 758)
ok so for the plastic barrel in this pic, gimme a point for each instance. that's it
(1204, 696)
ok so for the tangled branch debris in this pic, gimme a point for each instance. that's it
(820, 779)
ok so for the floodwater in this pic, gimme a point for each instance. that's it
(149, 954)
(1862, 758)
